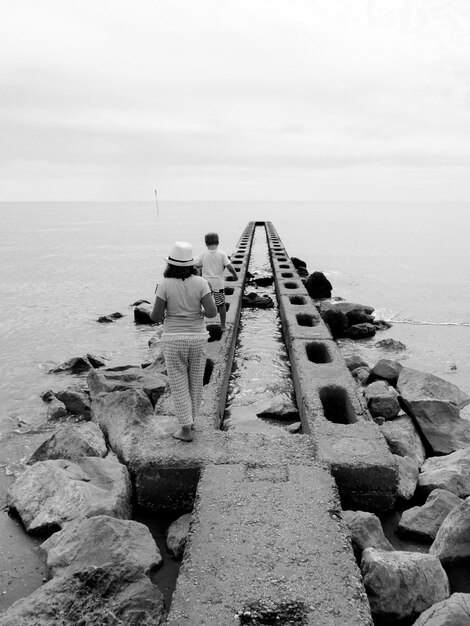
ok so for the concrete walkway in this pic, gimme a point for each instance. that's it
(267, 533)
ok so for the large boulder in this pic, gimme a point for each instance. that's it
(455, 611)
(102, 541)
(366, 531)
(452, 542)
(451, 472)
(72, 441)
(94, 596)
(177, 536)
(404, 439)
(125, 417)
(151, 382)
(387, 370)
(382, 400)
(435, 405)
(335, 319)
(318, 286)
(401, 585)
(423, 522)
(50, 493)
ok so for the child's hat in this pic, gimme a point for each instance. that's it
(181, 254)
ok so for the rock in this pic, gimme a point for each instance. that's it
(48, 395)
(215, 332)
(408, 473)
(177, 535)
(382, 325)
(102, 541)
(50, 493)
(95, 361)
(109, 380)
(351, 307)
(402, 584)
(387, 370)
(382, 400)
(76, 365)
(434, 404)
(80, 364)
(366, 531)
(297, 263)
(302, 272)
(106, 319)
(423, 522)
(392, 345)
(76, 400)
(451, 472)
(71, 442)
(125, 417)
(294, 428)
(455, 611)
(281, 410)
(142, 314)
(357, 316)
(361, 331)
(254, 301)
(452, 542)
(139, 302)
(56, 410)
(335, 319)
(361, 375)
(318, 286)
(404, 439)
(93, 597)
(264, 281)
(354, 361)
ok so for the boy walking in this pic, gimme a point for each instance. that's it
(213, 263)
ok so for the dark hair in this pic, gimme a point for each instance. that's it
(212, 239)
(174, 271)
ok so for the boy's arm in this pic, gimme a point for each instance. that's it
(231, 269)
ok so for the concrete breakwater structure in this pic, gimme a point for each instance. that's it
(266, 530)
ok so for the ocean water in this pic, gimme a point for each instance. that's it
(65, 264)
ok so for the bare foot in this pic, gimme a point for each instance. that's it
(184, 434)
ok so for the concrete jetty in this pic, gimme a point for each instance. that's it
(266, 532)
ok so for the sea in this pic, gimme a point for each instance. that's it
(65, 264)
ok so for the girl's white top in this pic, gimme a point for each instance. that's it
(184, 313)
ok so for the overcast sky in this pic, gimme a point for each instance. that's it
(235, 100)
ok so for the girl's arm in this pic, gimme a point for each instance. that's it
(210, 310)
(158, 310)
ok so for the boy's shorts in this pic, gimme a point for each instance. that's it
(219, 297)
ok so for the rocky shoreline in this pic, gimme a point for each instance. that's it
(76, 491)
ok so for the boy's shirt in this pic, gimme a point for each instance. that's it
(213, 263)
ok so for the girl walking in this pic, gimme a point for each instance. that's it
(182, 300)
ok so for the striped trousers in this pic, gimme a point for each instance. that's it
(185, 360)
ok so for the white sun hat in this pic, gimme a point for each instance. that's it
(181, 254)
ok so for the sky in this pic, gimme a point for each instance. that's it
(244, 100)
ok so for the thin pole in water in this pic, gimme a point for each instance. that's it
(156, 202)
